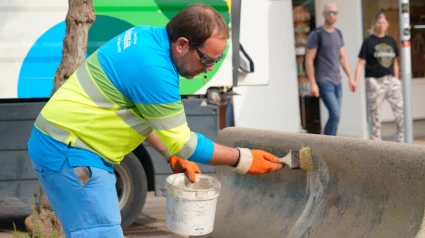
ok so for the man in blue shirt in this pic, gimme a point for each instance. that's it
(124, 93)
(324, 54)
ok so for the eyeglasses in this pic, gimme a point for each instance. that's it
(206, 60)
(328, 12)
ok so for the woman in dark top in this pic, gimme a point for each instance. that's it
(379, 57)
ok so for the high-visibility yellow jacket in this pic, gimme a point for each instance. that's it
(128, 88)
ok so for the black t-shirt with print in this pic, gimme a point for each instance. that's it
(379, 54)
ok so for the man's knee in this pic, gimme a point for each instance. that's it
(334, 116)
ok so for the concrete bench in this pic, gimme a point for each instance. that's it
(360, 188)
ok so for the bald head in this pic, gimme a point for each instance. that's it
(330, 13)
(330, 6)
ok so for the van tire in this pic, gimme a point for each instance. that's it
(132, 186)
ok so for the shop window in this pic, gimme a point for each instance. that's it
(304, 22)
(417, 22)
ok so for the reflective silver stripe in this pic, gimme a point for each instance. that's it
(51, 129)
(189, 147)
(61, 134)
(168, 122)
(133, 121)
(166, 154)
(80, 144)
(91, 89)
(103, 102)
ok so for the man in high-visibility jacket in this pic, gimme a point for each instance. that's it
(126, 92)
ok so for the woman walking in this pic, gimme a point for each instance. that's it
(379, 54)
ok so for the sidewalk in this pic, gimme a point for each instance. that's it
(419, 141)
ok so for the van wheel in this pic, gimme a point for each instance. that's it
(131, 186)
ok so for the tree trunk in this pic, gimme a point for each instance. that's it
(43, 221)
(79, 19)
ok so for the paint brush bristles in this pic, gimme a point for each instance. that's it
(299, 159)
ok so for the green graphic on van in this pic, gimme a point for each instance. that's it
(112, 17)
(149, 12)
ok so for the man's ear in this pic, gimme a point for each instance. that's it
(182, 45)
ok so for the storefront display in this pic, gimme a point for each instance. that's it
(309, 105)
(301, 29)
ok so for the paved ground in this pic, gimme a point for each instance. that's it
(389, 129)
(152, 221)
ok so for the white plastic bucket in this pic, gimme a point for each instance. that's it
(191, 207)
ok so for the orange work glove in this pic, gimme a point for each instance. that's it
(257, 162)
(179, 165)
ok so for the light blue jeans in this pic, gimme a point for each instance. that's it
(84, 210)
(331, 95)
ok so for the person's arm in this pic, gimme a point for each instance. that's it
(177, 164)
(359, 69)
(345, 64)
(360, 66)
(309, 58)
(157, 145)
(396, 68)
(218, 158)
(310, 55)
(155, 92)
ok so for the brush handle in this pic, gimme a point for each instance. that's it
(286, 160)
(292, 159)
(295, 155)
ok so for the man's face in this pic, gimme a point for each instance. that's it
(195, 60)
(330, 14)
